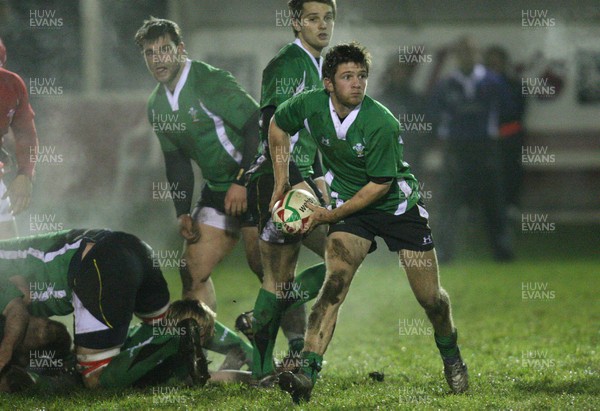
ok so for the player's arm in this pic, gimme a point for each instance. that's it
(26, 146)
(288, 119)
(279, 148)
(240, 111)
(15, 326)
(370, 193)
(180, 176)
(319, 178)
(235, 199)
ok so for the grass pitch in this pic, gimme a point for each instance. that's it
(529, 332)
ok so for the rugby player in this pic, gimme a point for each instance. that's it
(373, 193)
(17, 115)
(295, 68)
(103, 278)
(200, 113)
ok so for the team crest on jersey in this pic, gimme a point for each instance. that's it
(359, 149)
(325, 141)
(193, 112)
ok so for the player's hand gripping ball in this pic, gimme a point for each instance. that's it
(291, 213)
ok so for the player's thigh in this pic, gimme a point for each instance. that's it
(213, 245)
(317, 240)
(345, 251)
(279, 262)
(250, 236)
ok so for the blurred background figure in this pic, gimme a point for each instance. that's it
(467, 106)
(408, 106)
(511, 130)
(16, 115)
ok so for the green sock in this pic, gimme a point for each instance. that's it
(225, 339)
(447, 345)
(267, 316)
(311, 365)
(296, 345)
(310, 282)
(142, 352)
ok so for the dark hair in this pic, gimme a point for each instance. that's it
(296, 6)
(58, 339)
(154, 29)
(345, 53)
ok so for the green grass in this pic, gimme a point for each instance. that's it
(522, 354)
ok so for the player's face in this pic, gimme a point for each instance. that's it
(315, 26)
(349, 86)
(164, 59)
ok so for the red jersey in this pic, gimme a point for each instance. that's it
(16, 114)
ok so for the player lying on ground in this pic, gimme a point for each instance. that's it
(295, 68)
(103, 278)
(44, 357)
(373, 193)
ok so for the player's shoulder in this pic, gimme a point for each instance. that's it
(288, 56)
(206, 71)
(377, 115)
(11, 79)
(315, 100)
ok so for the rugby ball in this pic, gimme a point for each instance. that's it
(291, 213)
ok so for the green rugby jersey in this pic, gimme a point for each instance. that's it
(204, 118)
(43, 260)
(366, 144)
(292, 71)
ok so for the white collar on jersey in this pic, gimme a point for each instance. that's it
(318, 65)
(469, 82)
(341, 127)
(174, 97)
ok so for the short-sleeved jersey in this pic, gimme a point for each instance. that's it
(365, 145)
(292, 71)
(16, 113)
(43, 261)
(204, 119)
